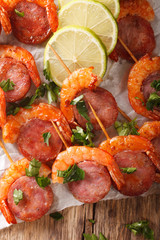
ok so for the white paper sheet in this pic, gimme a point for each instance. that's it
(115, 81)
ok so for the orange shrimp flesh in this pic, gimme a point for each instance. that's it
(22, 55)
(140, 71)
(141, 8)
(77, 81)
(4, 20)
(15, 171)
(42, 111)
(50, 6)
(76, 154)
(130, 142)
(2, 108)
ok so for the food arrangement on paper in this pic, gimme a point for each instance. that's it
(71, 80)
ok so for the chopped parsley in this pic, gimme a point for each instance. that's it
(73, 173)
(128, 170)
(33, 169)
(7, 85)
(142, 228)
(43, 181)
(140, 100)
(46, 137)
(56, 216)
(94, 237)
(20, 14)
(125, 129)
(156, 85)
(81, 107)
(17, 196)
(92, 221)
(153, 101)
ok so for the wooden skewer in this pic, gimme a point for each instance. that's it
(60, 135)
(126, 117)
(99, 122)
(5, 150)
(69, 72)
(127, 49)
(60, 60)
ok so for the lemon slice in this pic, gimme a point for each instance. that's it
(78, 47)
(112, 5)
(93, 15)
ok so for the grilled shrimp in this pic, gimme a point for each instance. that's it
(42, 111)
(4, 19)
(79, 154)
(15, 171)
(77, 81)
(139, 72)
(2, 108)
(22, 55)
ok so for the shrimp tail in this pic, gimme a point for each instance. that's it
(7, 212)
(5, 21)
(52, 15)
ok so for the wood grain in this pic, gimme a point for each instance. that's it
(111, 218)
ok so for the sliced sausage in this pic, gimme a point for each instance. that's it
(137, 34)
(104, 105)
(146, 84)
(31, 142)
(95, 186)
(156, 144)
(34, 27)
(36, 201)
(18, 74)
(139, 181)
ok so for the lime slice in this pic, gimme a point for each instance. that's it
(112, 5)
(93, 15)
(78, 47)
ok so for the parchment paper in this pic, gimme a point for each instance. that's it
(115, 81)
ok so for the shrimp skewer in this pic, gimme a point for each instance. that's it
(14, 172)
(4, 20)
(22, 55)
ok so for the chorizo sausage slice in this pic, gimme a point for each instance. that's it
(33, 27)
(137, 34)
(139, 181)
(18, 74)
(31, 142)
(36, 201)
(103, 103)
(95, 186)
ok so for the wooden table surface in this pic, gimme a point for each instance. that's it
(111, 217)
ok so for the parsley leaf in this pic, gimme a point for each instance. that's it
(73, 173)
(17, 196)
(94, 237)
(91, 221)
(129, 170)
(142, 228)
(7, 85)
(43, 181)
(90, 237)
(33, 169)
(20, 14)
(140, 100)
(46, 137)
(81, 107)
(125, 128)
(81, 136)
(47, 72)
(156, 85)
(56, 216)
(153, 101)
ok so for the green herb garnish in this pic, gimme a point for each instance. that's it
(81, 136)
(43, 181)
(125, 129)
(47, 72)
(56, 216)
(156, 85)
(33, 169)
(17, 196)
(140, 100)
(153, 101)
(81, 107)
(142, 228)
(128, 170)
(7, 85)
(73, 173)
(91, 221)
(20, 14)
(46, 137)
(94, 237)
